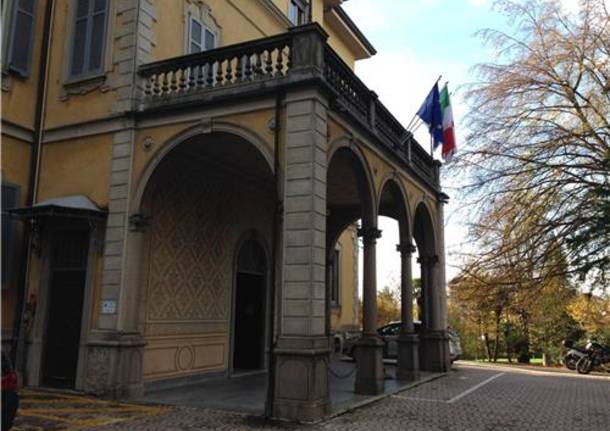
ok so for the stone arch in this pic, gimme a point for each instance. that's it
(349, 143)
(423, 220)
(425, 239)
(183, 136)
(256, 236)
(347, 148)
(391, 184)
(206, 192)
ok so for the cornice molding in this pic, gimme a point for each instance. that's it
(17, 131)
(276, 12)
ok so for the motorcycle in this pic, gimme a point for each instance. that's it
(597, 358)
(573, 355)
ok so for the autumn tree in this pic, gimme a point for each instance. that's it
(592, 312)
(538, 151)
(388, 305)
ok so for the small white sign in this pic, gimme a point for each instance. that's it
(109, 307)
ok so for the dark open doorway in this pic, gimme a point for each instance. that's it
(66, 291)
(249, 327)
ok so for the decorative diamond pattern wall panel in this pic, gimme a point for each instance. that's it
(198, 216)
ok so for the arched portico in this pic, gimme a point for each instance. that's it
(351, 196)
(433, 339)
(393, 203)
(200, 198)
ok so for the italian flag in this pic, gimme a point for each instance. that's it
(448, 133)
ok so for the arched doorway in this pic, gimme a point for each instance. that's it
(423, 233)
(434, 350)
(404, 343)
(200, 199)
(350, 197)
(249, 315)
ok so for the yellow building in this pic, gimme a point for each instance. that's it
(176, 176)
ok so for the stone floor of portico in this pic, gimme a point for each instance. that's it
(247, 393)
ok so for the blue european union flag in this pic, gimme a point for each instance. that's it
(431, 114)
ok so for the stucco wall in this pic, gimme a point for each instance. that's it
(345, 315)
(15, 171)
(78, 166)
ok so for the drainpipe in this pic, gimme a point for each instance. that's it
(19, 340)
(277, 219)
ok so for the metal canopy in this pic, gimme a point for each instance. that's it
(76, 206)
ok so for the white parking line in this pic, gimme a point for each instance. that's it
(457, 397)
(474, 388)
(402, 397)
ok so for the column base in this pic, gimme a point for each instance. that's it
(301, 390)
(407, 365)
(434, 351)
(369, 366)
(114, 364)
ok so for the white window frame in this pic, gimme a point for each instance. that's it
(204, 28)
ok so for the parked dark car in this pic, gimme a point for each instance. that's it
(389, 334)
(10, 399)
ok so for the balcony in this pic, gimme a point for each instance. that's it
(270, 65)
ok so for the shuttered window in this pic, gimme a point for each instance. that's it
(89, 37)
(22, 37)
(10, 199)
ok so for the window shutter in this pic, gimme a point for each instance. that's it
(22, 37)
(89, 36)
(9, 201)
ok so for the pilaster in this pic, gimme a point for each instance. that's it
(302, 351)
(114, 356)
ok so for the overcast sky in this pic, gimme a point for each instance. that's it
(416, 41)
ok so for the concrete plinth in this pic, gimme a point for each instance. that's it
(407, 365)
(369, 366)
(434, 351)
(301, 390)
(114, 364)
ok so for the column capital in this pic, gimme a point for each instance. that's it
(405, 248)
(428, 260)
(369, 234)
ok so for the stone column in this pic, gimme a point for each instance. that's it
(407, 366)
(369, 350)
(433, 338)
